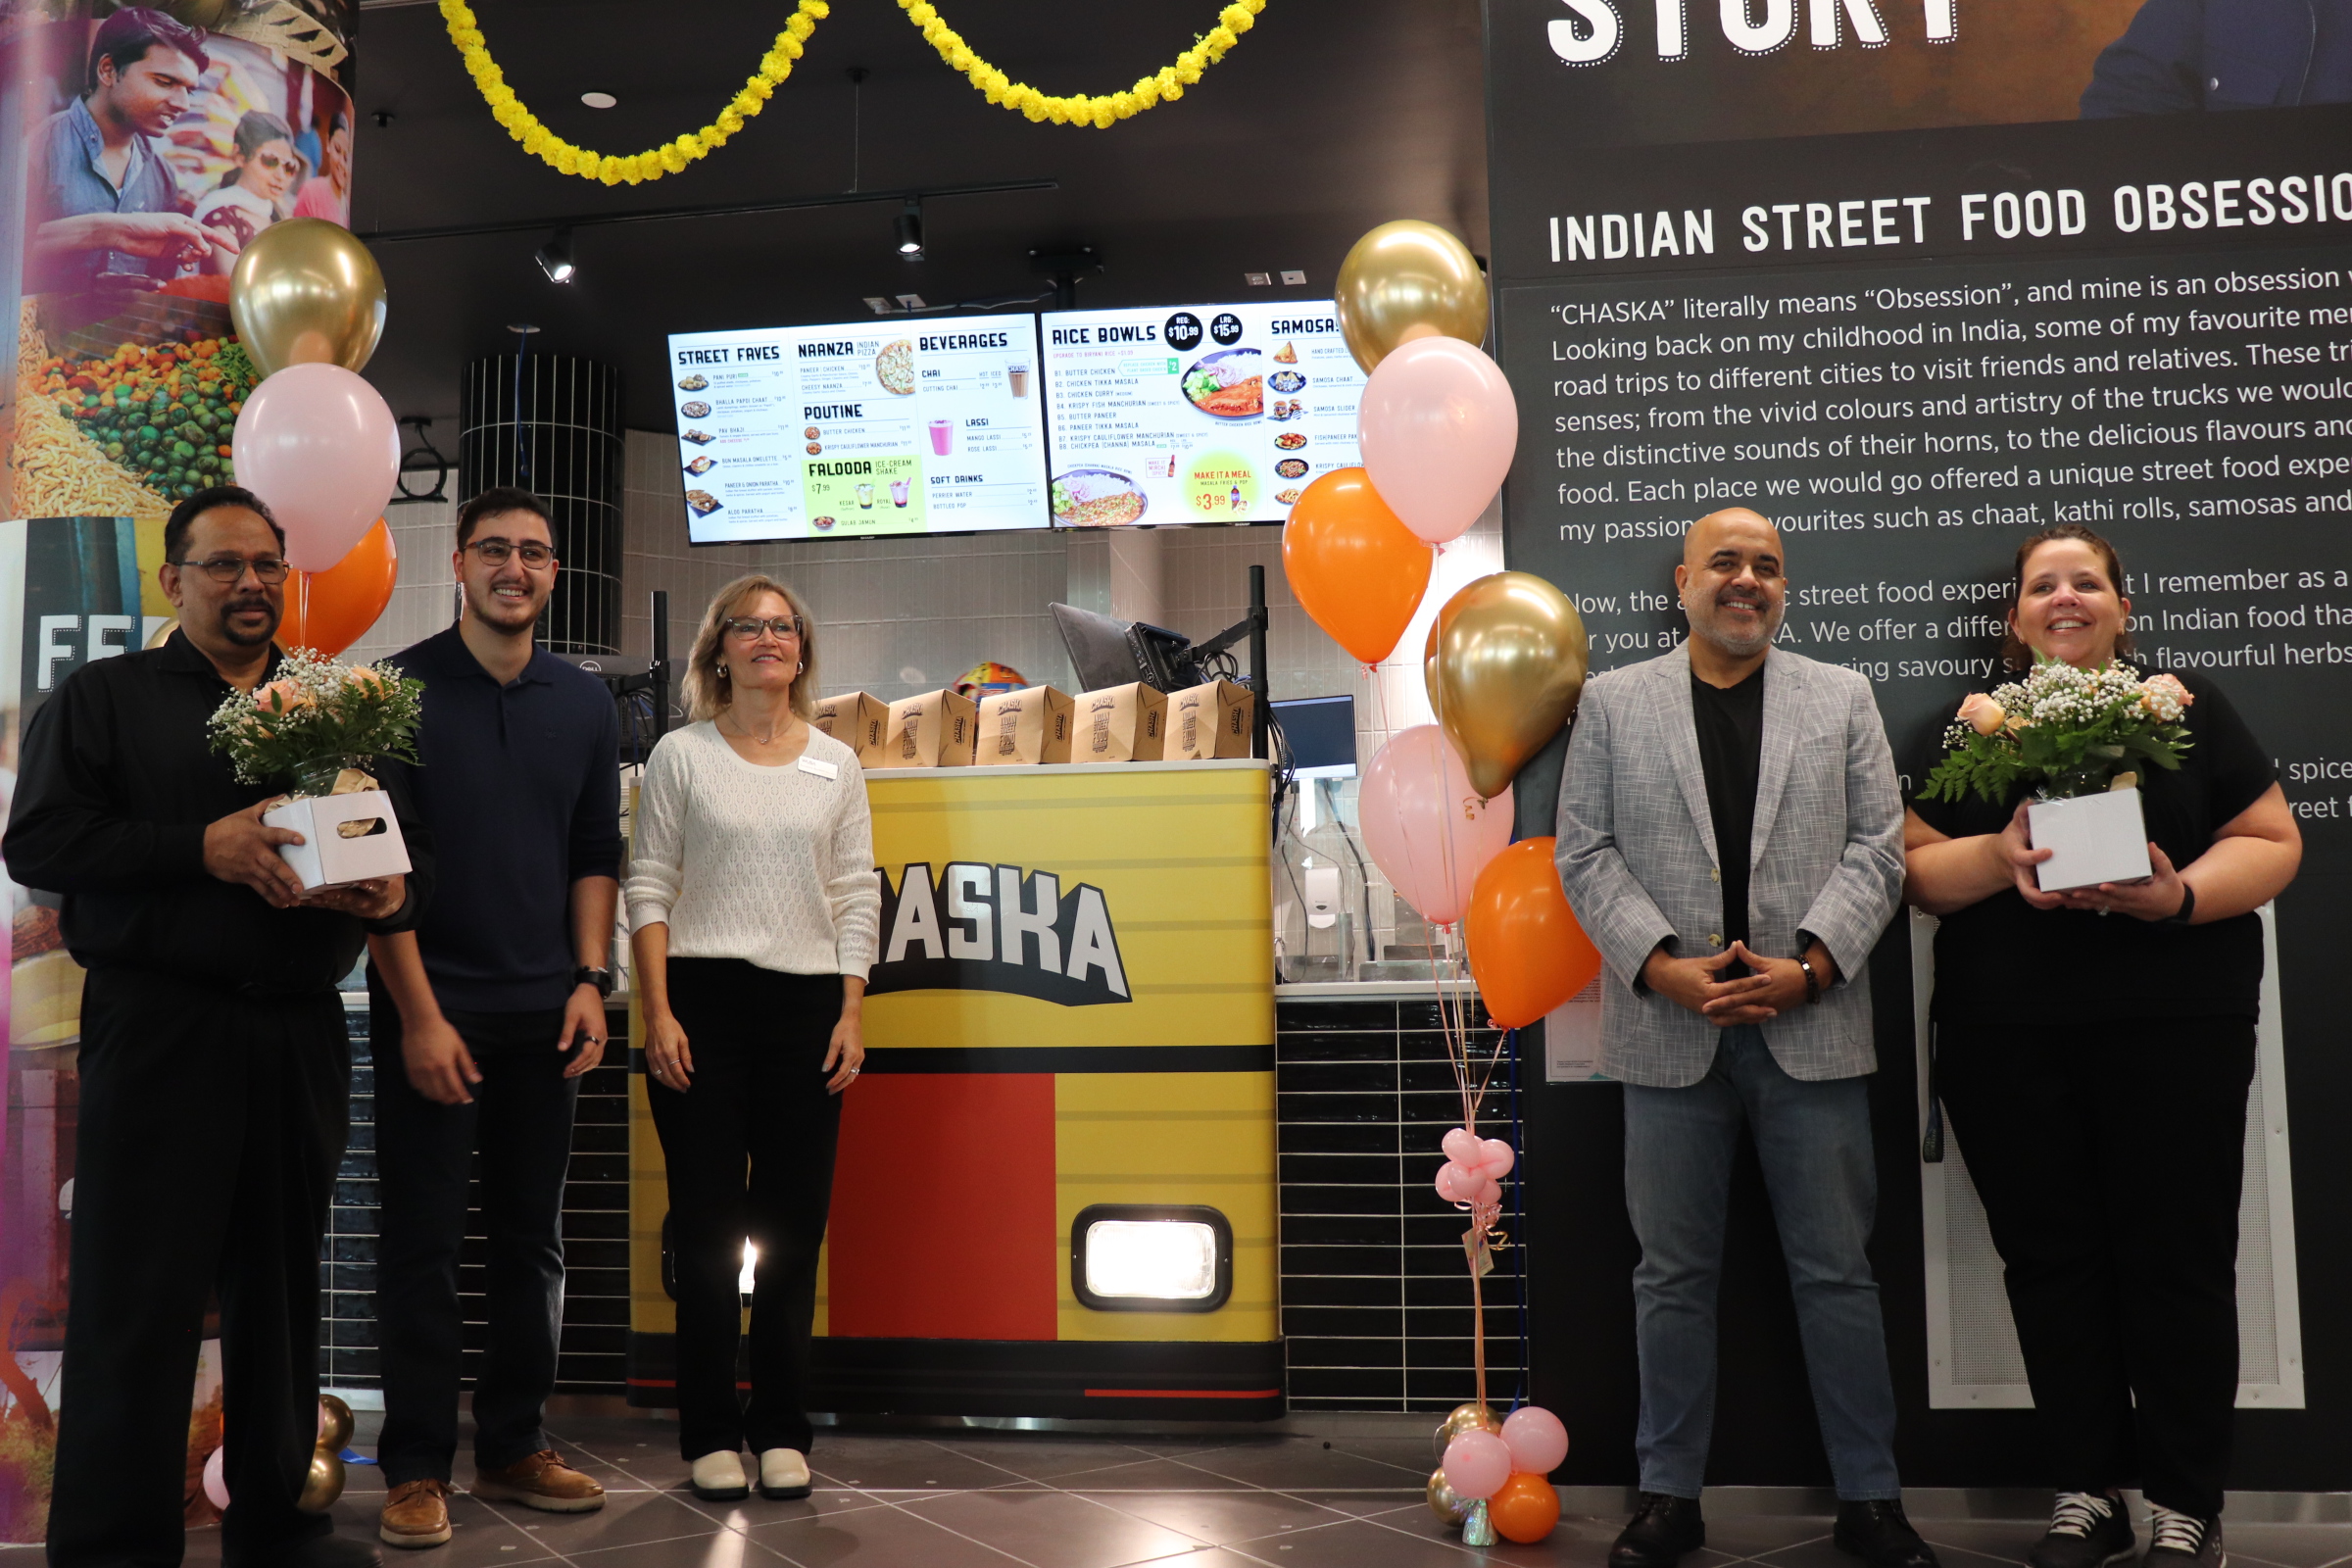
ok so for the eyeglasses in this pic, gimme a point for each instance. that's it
(747, 628)
(273, 163)
(233, 568)
(495, 552)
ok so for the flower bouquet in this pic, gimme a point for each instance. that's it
(2080, 737)
(317, 725)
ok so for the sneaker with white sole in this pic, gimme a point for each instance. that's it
(2087, 1530)
(783, 1473)
(718, 1477)
(2183, 1540)
(541, 1481)
(415, 1515)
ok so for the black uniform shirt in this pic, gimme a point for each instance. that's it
(1731, 753)
(118, 785)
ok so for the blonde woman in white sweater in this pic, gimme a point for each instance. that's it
(755, 912)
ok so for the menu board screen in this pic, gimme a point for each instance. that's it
(1196, 414)
(828, 432)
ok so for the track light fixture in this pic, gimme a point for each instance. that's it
(910, 225)
(555, 257)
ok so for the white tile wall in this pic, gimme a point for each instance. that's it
(426, 600)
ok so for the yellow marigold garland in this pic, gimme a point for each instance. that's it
(1101, 111)
(669, 158)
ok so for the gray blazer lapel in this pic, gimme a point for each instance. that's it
(1782, 697)
(1680, 722)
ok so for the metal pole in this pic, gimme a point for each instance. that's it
(1257, 662)
(661, 669)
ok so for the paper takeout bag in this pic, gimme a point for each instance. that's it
(345, 838)
(1215, 719)
(934, 730)
(1121, 724)
(1030, 725)
(857, 721)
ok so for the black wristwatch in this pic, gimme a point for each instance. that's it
(602, 979)
(2188, 908)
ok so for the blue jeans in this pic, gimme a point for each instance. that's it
(1815, 1145)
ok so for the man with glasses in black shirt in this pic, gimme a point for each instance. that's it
(214, 1065)
(483, 1020)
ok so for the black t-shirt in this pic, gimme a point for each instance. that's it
(1731, 752)
(2003, 958)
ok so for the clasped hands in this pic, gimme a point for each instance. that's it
(2158, 896)
(241, 847)
(1771, 987)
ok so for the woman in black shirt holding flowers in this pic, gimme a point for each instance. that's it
(2093, 1050)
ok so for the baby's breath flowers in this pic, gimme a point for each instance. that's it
(316, 710)
(2066, 731)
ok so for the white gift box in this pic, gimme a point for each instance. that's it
(2092, 839)
(325, 858)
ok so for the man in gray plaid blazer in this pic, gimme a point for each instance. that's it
(1731, 838)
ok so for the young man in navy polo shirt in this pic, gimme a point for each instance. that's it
(483, 1019)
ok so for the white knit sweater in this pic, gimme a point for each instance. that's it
(771, 864)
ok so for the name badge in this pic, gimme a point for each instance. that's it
(820, 768)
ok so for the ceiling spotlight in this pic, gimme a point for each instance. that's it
(910, 226)
(598, 100)
(555, 257)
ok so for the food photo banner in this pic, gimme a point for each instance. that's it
(1917, 280)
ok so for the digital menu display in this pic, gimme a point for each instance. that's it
(1195, 414)
(829, 432)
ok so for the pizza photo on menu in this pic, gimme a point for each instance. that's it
(894, 367)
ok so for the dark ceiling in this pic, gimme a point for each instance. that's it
(1331, 117)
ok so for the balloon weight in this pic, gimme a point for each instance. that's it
(1472, 1417)
(1477, 1464)
(1525, 1509)
(1536, 1439)
(325, 1480)
(334, 1423)
(1445, 1502)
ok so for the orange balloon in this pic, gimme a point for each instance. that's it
(1527, 952)
(1525, 1509)
(1356, 569)
(329, 610)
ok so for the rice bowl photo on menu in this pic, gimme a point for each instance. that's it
(1096, 497)
(1230, 384)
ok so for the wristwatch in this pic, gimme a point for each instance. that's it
(2188, 908)
(602, 979)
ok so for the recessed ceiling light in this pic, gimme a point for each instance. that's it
(1293, 278)
(598, 100)
(1257, 280)
(913, 301)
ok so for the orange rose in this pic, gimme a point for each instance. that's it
(1982, 713)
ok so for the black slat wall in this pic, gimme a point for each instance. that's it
(1376, 1298)
(593, 1353)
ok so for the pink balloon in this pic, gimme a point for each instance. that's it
(1455, 1183)
(1424, 825)
(321, 446)
(1496, 1158)
(1460, 1145)
(1536, 1439)
(216, 1484)
(1437, 425)
(1490, 1190)
(1477, 1463)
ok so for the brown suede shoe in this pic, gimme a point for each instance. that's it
(542, 1482)
(416, 1514)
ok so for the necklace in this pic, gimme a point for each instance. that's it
(743, 731)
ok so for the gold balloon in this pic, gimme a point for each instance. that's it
(325, 1483)
(334, 1433)
(1404, 281)
(1464, 1418)
(1450, 1506)
(307, 292)
(1504, 669)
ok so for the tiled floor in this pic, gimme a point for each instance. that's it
(1059, 1502)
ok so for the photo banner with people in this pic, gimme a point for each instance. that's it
(147, 148)
(1917, 279)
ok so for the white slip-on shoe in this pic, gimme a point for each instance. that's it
(783, 1473)
(718, 1477)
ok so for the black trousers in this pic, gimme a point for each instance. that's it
(2110, 1161)
(212, 1125)
(757, 1096)
(521, 1122)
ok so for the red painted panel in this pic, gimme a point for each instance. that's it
(943, 1208)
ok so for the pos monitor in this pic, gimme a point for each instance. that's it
(861, 430)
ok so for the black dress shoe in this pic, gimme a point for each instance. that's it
(1661, 1530)
(1877, 1533)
